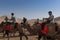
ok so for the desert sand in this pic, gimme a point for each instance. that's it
(17, 38)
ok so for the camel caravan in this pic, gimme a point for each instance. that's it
(48, 29)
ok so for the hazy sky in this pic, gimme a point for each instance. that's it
(30, 8)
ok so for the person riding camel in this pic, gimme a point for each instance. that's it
(6, 19)
(51, 17)
(37, 21)
(44, 27)
(13, 18)
(24, 21)
(36, 25)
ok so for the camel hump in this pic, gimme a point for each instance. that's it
(51, 24)
(51, 28)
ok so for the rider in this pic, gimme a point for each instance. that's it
(13, 18)
(24, 21)
(51, 17)
(44, 27)
(37, 21)
(6, 19)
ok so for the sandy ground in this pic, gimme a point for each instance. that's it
(17, 38)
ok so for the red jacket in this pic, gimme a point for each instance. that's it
(44, 31)
(7, 27)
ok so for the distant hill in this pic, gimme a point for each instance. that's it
(57, 19)
(31, 21)
(2, 18)
(19, 20)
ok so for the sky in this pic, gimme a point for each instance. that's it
(31, 9)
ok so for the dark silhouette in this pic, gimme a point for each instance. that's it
(56, 27)
(42, 32)
(24, 20)
(51, 18)
(23, 25)
(21, 33)
(37, 21)
(6, 19)
(7, 30)
(15, 28)
(13, 18)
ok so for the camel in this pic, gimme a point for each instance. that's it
(34, 29)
